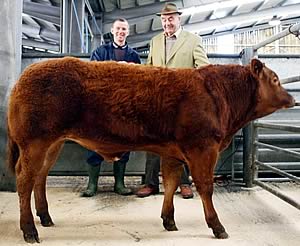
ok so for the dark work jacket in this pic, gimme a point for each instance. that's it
(106, 53)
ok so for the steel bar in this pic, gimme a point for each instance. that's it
(278, 149)
(278, 171)
(282, 34)
(290, 80)
(278, 193)
(278, 127)
(247, 155)
(277, 180)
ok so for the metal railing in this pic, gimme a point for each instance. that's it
(251, 139)
(256, 163)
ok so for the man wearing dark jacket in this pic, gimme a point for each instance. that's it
(117, 50)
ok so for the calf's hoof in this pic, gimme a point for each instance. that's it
(218, 230)
(169, 224)
(46, 221)
(31, 237)
(221, 235)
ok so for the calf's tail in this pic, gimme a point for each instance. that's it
(13, 153)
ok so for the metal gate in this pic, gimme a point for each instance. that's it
(252, 139)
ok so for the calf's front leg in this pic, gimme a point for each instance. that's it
(202, 164)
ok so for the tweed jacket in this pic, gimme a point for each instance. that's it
(186, 52)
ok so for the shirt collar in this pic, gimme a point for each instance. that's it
(119, 47)
(176, 34)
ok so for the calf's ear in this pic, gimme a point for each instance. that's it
(256, 66)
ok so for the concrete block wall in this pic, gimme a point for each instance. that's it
(10, 68)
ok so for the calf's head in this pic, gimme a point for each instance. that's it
(271, 95)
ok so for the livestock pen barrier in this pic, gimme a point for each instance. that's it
(252, 139)
(256, 163)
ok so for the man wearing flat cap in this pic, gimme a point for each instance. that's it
(174, 48)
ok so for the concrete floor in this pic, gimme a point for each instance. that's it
(251, 217)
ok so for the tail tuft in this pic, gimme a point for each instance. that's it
(12, 153)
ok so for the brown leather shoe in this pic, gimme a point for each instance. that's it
(186, 191)
(147, 190)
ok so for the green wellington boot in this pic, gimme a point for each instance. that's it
(93, 172)
(119, 171)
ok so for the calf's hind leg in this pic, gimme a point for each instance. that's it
(41, 203)
(202, 164)
(171, 173)
(30, 162)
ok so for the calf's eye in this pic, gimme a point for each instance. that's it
(276, 81)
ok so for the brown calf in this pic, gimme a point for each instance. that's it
(184, 115)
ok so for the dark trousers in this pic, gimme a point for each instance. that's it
(153, 168)
(95, 160)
